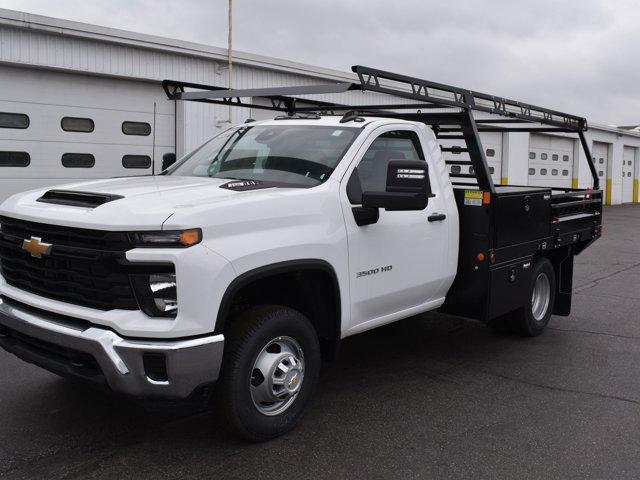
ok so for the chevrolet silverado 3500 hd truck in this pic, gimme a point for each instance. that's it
(243, 264)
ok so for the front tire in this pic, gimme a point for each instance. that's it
(269, 372)
(532, 318)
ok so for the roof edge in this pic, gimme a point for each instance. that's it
(51, 25)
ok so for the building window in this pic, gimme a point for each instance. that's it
(532, 171)
(136, 161)
(136, 128)
(14, 120)
(14, 159)
(554, 172)
(554, 157)
(543, 156)
(74, 124)
(565, 173)
(491, 152)
(78, 160)
(543, 171)
(600, 173)
(455, 169)
(601, 161)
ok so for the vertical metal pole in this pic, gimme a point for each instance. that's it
(592, 167)
(230, 54)
(153, 147)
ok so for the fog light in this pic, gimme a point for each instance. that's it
(163, 289)
(156, 293)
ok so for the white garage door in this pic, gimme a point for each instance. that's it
(600, 154)
(628, 174)
(492, 143)
(550, 161)
(57, 127)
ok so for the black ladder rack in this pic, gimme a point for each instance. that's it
(456, 122)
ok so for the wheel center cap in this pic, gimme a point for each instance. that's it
(292, 380)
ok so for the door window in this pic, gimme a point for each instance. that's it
(371, 173)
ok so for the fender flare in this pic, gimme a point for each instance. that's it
(275, 269)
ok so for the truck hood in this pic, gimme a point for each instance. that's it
(146, 203)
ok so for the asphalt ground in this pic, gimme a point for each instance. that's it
(428, 397)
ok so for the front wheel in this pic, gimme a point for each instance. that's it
(269, 372)
(532, 318)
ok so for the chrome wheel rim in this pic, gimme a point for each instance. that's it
(540, 297)
(277, 376)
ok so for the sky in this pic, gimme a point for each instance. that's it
(577, 56)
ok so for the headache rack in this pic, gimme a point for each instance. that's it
(454, 119)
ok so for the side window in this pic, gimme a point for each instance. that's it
(136, 161)
(371, 173)
(14, 120)
(78, 160)
(14, 159)
(74, 124)
(136, 128)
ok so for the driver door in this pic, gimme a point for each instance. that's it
(398, 264)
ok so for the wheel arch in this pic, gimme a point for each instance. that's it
(304, 277)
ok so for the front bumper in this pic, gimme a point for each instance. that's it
(69, 347)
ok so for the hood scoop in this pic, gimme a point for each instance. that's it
(77, 199)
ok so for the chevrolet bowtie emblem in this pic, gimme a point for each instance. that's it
(36, 247)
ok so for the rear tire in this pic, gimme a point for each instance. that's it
(269, 372)
(532, 318)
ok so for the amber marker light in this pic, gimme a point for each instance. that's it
(480, 257)
(190, 237)
(486, 198)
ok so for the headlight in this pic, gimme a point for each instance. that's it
(171, 238)
(157, 294)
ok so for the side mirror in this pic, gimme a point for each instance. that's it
(168, 159)
(408, 187)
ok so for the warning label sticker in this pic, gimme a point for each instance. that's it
(473, 197)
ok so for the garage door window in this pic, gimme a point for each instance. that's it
(554, 157)
(532, 155)
(136, 161)
(136, 128)
(543, 171)
(491, 152)
(74, 124)
(14, 159)
(14, 120)
(78, 160)
(543, 156)
(532, 171)
(565, 158)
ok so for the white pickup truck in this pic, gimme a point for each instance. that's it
(244, 263)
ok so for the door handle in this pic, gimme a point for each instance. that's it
(436, 217)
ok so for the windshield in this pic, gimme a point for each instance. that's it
(281, 155)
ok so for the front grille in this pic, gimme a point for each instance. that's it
(85, 267)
